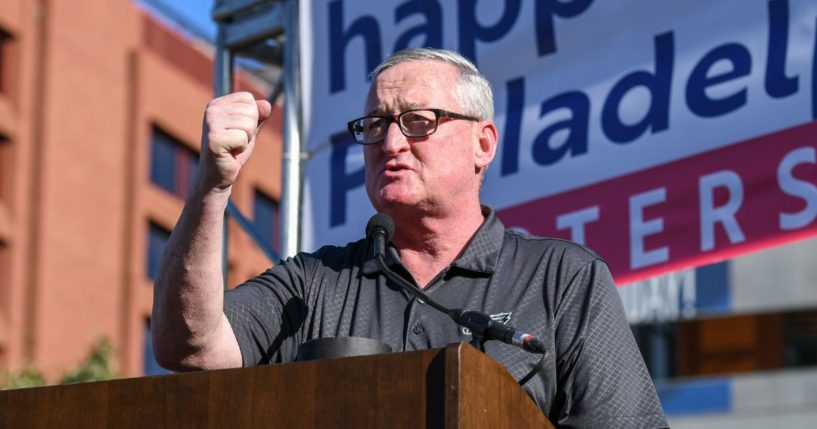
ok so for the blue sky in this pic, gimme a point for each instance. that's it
(194, 13)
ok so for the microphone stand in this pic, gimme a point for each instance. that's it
(477, 339)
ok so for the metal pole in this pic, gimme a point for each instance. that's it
(292, 176)
(223, 84)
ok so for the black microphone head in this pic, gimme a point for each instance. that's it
(382, 221)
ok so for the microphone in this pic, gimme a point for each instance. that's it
(483, 325)
(380, 229)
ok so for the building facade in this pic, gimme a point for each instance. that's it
(100, 121)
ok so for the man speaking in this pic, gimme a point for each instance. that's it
(428, 136)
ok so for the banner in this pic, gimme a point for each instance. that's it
(662, 134)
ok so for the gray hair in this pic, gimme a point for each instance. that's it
(473, 92)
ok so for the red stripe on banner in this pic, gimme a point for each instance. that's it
(689, 212)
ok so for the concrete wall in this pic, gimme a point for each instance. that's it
(781, 399)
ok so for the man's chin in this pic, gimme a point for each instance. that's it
(388, 203)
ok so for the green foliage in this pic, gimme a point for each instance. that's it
(98, 366)
(27, 377)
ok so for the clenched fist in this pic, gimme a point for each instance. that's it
(228, 135)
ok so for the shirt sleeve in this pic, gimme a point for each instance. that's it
(267, 313)
(601, 375)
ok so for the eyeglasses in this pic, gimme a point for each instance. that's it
(413, 123)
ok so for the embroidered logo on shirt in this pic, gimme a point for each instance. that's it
(499, 317)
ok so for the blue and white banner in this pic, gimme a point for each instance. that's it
(592, 100)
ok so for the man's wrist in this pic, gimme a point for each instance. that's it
(211, 195)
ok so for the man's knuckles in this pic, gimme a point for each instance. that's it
(227, 138)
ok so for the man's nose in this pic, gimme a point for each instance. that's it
(395, 142)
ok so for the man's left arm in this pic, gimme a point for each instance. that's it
(602, 376)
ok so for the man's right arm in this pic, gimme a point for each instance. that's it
(188, 326)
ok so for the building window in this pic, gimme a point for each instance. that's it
(150, 366)
(157, 239)
(6, 46)
(6, 167)
(265, 215)
(172, 164)
(731, 344)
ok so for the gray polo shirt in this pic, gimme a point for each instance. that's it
(594, 375)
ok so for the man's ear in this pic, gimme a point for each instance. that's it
(485, 144)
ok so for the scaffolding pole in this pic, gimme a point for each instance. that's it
(243, 27)
(292, 178)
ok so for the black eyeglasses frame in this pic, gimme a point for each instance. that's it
(438, 113)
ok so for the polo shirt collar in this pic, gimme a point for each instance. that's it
(480, 255)
(482, 252)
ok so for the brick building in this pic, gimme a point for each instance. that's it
(100, 115)
(100, 119)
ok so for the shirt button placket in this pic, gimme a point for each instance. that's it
(411, 323)
(417, 328)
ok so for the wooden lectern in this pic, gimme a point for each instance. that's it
(454, 387)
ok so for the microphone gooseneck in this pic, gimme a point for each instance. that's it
(379, 231)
